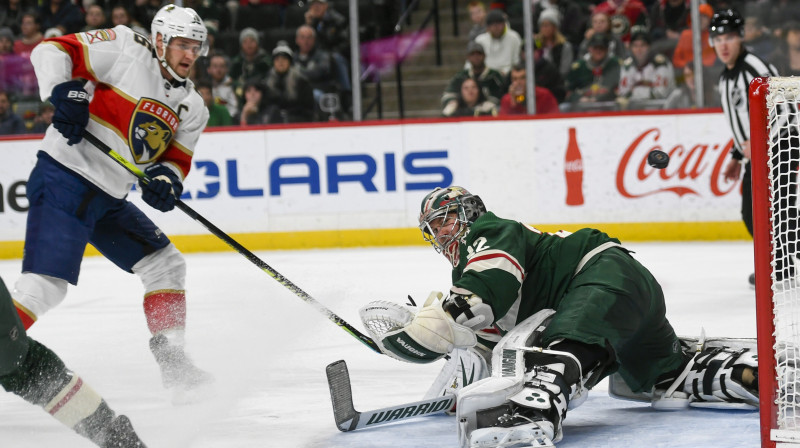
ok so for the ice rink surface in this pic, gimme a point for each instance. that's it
(268, 351)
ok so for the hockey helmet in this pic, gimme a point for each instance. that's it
(173, 21)
(726, 21)
(438, 207)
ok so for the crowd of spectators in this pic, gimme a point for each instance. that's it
(282, 61)
(270, 61)
(600, 55)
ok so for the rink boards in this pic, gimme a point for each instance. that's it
(361, 184)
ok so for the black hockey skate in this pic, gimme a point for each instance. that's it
(120, 434)
(178, 372)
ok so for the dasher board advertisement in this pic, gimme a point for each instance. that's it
(550, 171)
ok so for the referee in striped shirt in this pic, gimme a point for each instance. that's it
(726, 32)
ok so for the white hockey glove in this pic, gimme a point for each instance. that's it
(468, 310)
(428, 336)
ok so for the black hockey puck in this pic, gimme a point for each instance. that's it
(658, 159)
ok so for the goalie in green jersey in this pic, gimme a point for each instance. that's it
(561, 311)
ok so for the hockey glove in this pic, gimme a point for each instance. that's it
(468, 310)
(430, 335)
(72, 110)
(164, 188)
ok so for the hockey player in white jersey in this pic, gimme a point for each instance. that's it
(133, 94)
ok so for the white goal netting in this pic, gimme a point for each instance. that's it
(783, 152)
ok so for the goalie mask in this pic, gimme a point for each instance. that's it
(445, 217)
(173, 21)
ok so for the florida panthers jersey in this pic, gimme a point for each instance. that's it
(133, 108)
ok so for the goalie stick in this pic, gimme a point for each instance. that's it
(348, 419)
(133, 169)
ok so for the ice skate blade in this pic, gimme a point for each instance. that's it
(524, 436)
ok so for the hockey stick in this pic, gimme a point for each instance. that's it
(348, 419)
(133, 169)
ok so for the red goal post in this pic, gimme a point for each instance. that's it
(774, 146)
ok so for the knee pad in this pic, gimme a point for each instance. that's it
(35, 294)
(163, 269)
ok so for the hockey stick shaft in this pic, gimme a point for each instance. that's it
(348, 419)
(216, 231)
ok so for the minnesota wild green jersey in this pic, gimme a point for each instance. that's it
(601, 294)
(520, 270)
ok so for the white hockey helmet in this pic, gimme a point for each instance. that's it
(175, 21)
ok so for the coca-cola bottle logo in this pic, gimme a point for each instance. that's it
(689, 165)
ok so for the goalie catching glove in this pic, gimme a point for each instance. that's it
(421, 338)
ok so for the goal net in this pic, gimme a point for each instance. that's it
(774, 162)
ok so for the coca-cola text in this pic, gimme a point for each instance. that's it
(685, 166)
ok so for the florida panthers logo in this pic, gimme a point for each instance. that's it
(153, 125)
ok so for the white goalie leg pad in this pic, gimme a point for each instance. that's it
(485, 394)
(163, 269)
(465, 366)
(508, 375)
(39, 293)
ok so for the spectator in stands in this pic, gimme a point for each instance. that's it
(513, 102)
(6, 42)
(44, 118)
(11, 13)
(252, 62)
(684, 96)
(490, 81)
(61, 14)
(594, 78)
(254, 110)
(10, 123)
(624, 14)
(218, 114)
(214, 13)
(501, 44)
(757, 39)
(121, 16)
(222, 84)
(314, 63)
(477, 17)
(143, 12)
(684, 51)
(573, 18)
(644, 75)
(552, 45)
(9, 61)
(786, 57)
(668, 18)
(95, 18)
(289, 94)
(471, 102)
(331, 27)
(31, 34)
(781, 12)
(601, 24)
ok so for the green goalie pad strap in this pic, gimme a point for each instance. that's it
(405, 347)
